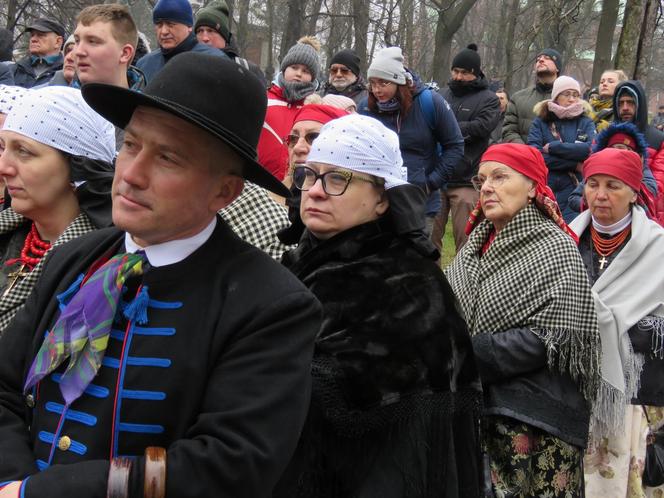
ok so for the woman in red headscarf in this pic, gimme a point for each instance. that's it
(622, 252)
(524, 293)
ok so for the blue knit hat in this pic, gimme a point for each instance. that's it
(173, 10)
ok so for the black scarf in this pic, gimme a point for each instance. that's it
(392, 369)
(185, 46)
(462, 88)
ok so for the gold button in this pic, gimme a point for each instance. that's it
(64, 443)
(30, 401)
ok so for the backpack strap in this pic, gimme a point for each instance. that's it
(426, 104)
(242, 62)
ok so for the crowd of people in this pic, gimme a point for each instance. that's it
(216, 282)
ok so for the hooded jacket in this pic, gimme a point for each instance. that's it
(654, 137)
(427, 168)
(477, 111)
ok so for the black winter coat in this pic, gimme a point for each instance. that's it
(396, 395)
(219, 375)
(24, 74)
(477, 110)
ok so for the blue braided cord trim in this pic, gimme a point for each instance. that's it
(74, 415)
(141, 428)
(76, 447)
(22, 488)
(66, 296)
(93, 390)
(42, 465)
(164, 305)
(118, 335)
(146, 395)
(137, 361)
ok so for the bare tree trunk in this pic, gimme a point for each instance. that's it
(509, 44)
(626, 55)
(450, 18)
(294, 24)
(607, 23)
(645, 42)
(269, 67)
(313, 19)
(361, 25)
(243, 26)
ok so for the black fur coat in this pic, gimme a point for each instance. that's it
(396, 393)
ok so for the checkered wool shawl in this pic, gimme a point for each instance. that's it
(532, 276)
(10, 220)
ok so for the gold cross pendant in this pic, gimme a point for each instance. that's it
(14, 276)
(602, 262)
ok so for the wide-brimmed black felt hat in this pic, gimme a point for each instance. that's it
(213, 93)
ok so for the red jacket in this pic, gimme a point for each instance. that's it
(656, 164)
(272, 149)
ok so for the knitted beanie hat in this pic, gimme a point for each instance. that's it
(305, 52)
(563, 83)
(363, 144)
(349, 59)
(215, 16)
(555, 57)
(468, 59)
(388, 65)
(173, 10)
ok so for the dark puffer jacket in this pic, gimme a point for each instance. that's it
(519, 114)
(477, 111)
(427, 168)
(356, 91)
(24, 73)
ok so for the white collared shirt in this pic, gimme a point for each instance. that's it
(173, 251)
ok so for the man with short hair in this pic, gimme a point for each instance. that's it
(519, 115)
(477, 111)
(173, 21)
(165, 353)
(213, 28)
(44, 58)
(344, 76)
(105, 41)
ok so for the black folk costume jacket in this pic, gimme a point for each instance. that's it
(219, 375)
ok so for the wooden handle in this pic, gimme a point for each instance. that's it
(118, 478)
(155, 472)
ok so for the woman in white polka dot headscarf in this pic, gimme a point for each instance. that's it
(9, 96)
(395, 401)
(56, 158)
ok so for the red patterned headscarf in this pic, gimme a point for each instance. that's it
(529, 162)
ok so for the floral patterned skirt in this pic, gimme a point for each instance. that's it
(613, 466)
(527, 462)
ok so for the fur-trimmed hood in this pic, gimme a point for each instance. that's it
(603, 137)
(542, 111)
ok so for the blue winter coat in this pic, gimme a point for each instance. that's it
(427, 167)
(6, 76)
(24, 73)
(150, 64)
(573, 147)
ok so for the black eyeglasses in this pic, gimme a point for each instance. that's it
(334, 182)
(292, 139)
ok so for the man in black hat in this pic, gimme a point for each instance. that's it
(166, 353)
(44, 58)
(477, 111)
(520, 115)
(345, 77)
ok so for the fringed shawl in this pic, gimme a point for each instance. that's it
(531, 276)
(631, 288)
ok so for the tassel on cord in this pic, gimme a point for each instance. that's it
(64, 297)
(137, 310)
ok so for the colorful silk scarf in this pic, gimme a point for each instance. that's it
(81, 332)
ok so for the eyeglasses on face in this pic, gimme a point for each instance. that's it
(569, 94)
(334, 182)
(339, 69)
(379, 84)
(292, 139)
(494, 179)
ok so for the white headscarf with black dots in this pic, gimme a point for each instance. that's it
(59, 117)
(9, 95)
(363, 144)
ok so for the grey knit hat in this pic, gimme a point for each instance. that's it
(388, 65)
(305, 52)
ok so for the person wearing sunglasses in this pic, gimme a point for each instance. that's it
(393, 366)
(344, 76)
(563, 132)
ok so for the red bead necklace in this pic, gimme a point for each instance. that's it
(33, 250)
